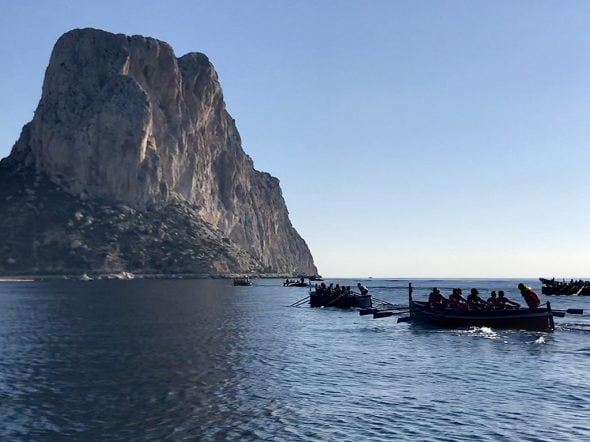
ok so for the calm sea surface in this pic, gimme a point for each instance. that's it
(202, 360)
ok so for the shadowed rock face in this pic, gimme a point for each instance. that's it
(123, 121)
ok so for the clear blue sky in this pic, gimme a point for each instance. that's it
(411, 138)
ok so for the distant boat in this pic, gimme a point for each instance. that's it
(552, 287)
(350, 300)
(316, 278)
(295, 284)
(242, 281)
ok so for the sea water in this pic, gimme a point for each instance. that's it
(203, 360)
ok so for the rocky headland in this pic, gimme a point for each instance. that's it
(132, 164)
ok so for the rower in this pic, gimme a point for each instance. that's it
(474, 301)
(436, 299)
(493, 299)
(362, 289)
(530, 297)
(505, 302)
(456, 300)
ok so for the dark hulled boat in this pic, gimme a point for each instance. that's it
(343, 301)
(539, 319)
(295, 284)
(552, 287)
(242, 282)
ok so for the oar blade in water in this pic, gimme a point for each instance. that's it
(378, 315)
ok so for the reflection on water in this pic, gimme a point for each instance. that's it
(155, 360)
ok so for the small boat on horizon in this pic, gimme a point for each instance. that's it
(242, 281)
(295, 283)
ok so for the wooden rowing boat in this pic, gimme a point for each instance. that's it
(539, 319)
(295, 284)
(523, 318)
(341, 301)
(551, 287)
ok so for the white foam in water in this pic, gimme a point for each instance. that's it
(486, 332)
(540, 340)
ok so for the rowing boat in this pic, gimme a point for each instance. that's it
(295, 284)
(343, 301)
(539, 319)
(555, 288)
(526, 319)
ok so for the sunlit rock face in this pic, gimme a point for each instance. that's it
(124, 121)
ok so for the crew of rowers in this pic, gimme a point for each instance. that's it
(289, 282)
(474, 302)
(553, 283)
(323, 289)
(553, 287)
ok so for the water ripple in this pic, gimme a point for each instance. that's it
(202, 360)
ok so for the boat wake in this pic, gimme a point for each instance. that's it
(484, 332)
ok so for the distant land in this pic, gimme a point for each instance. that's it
(132, 164)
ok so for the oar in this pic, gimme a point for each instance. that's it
(404, 319)
(571, 311)
(387, 313)
(298, 303)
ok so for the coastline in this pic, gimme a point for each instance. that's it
(125, 276)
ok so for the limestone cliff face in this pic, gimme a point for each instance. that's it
(121, 119)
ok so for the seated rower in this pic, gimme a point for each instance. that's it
(474, 301)
(362, 289)
(436, 299)
(505, 302)
(530, 297)
(493, 300)
(456, 300)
